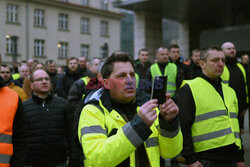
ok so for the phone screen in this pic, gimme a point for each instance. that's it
(159, 88)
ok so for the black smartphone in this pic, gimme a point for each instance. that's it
(159, 88)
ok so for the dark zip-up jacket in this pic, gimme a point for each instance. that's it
(49, 123)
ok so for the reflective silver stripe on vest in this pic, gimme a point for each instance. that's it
(5, 159)
(225, 82)
(212, 135)
(132, 136)
(233, 115)
(152, 142)
(5, 138)
(92, 129)
(171, 91)
(169, 134)
(171, 83)
(237, 135)
(210, 115)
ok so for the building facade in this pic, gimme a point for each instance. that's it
(57, 30)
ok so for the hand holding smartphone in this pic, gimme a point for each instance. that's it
(159, 88)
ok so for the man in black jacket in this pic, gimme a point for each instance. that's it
(49, 123)
(65, 81)
(235, 76)
(12, 128)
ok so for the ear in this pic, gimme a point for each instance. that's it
(31, 85)
(106, 83)
(202, 64)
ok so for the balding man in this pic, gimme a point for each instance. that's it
(234, 75)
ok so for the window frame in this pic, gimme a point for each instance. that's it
(63, 21)
(39, 17)
(39, 48)
(63, 48)
(12, 13)
(85, 27)
(84, 50)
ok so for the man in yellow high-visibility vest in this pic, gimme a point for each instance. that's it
(209, 109)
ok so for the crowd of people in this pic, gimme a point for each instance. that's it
(100, 112)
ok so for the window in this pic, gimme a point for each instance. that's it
(85, 2)
(84, 51)
(63, 21)
(39, 48)
(62, 50)
(104, 4)
(11, 45)
(84, 25)
(12, 13)
(104, 51)
(104, 28)
(39, 17)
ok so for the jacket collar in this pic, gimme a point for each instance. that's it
(41, 100)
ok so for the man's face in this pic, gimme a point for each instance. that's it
(214, 65)
(5, 73)
(196, 58)
(24, 71)
(162, 55)
(41, 82)
(229, 49)
(72, 65)
(51, 67)
(82, 62)
(143, 57)
(245, 60)
(174, 53)
(122, 82)
(93, 67)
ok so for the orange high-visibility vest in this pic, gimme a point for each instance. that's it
(9, 104)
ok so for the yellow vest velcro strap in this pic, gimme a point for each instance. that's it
(212, 135)
(5, 138)
(93, 129)
(152, 142)
(171, 83)
(233, 115)
(169, 134)
(237, 135)
(210, 115)
(131, 134)
(225, 81)
(5, 158)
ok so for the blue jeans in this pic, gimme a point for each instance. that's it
(58, 165)
(207, 163)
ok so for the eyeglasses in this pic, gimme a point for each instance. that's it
(41, 79)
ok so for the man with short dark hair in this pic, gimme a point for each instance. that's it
(182, 69)
(6, 75)
(51, 70)
(194, 67)
(142, 63)
(113, 131)
(49, 123)
(211, 135)
(65, 81)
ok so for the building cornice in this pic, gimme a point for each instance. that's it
(79, 8)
